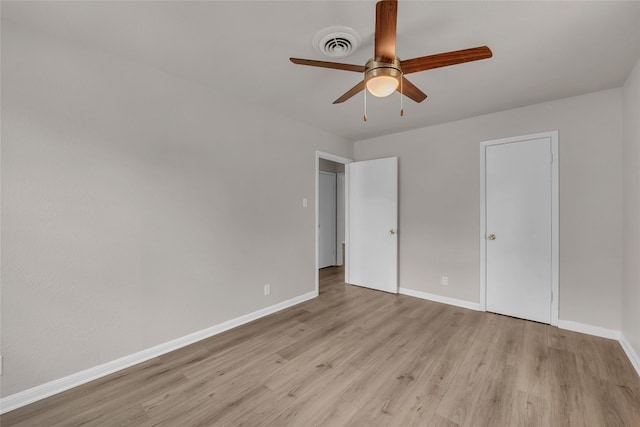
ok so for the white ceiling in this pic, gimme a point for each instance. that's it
(542, 51)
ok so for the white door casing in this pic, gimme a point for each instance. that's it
(327, 219)
(519, 227)
(372, 250)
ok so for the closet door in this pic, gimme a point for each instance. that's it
(518, 237)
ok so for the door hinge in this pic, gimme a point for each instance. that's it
(551, 296)
(551, 157)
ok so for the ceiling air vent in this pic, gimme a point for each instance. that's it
(336, 42)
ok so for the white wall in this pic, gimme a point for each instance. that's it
(439, 201)
(138, 208)
(631, 283)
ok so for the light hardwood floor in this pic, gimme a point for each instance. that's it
(357, 357)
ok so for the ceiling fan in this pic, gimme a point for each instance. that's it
(384, 74)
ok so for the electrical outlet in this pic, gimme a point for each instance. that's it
(305, 203)
(444, 281)
(267, 289)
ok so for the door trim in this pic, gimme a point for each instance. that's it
(344, 161)
(555, 218)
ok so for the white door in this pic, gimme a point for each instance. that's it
(518, 230)
(327, 219)
(372, 252)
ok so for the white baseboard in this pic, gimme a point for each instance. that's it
(631, 353)
(42, 391)
(589, 329)
(439, 298)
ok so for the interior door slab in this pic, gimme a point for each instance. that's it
(373, 223)
(519, 229)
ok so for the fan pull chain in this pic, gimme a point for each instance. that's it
(401, 96)
(365, 105)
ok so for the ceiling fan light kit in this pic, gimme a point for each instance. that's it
(382, 79)
(385, 73)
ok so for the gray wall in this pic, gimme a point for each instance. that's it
(440, 196)
(138, 208)
(631, 284)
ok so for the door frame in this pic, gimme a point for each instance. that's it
(555, 218)
(344, 161)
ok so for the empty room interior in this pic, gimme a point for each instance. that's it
(330, 213)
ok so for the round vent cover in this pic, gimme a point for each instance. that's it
(336, 42)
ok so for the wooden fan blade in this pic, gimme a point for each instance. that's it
(445, 59)
(325, 64)
(354, 90)
(385, 40)
(412, 91)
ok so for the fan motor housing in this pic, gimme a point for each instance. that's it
(376, 68)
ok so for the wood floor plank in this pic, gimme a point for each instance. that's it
(460, 399)
(495, 401)
(127, 416)
(335, 414)
(234, 358)
(105, 397)
(534, 368)
(211, 388)
(310, 364)
(558, 339)
(390, 353)
(530, 410)
(393, 399)
(358, 357)
(566, 395)
(438, 421)
(389, 393)
(589, 361)
(602, 405)
(307, 401)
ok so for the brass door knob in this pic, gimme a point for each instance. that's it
(492, 236)
(392, 231)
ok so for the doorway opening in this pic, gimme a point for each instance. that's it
(331, 226)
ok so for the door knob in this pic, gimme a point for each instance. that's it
(392, 231)
(492, 236)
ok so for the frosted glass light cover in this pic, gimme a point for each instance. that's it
(382, 86)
